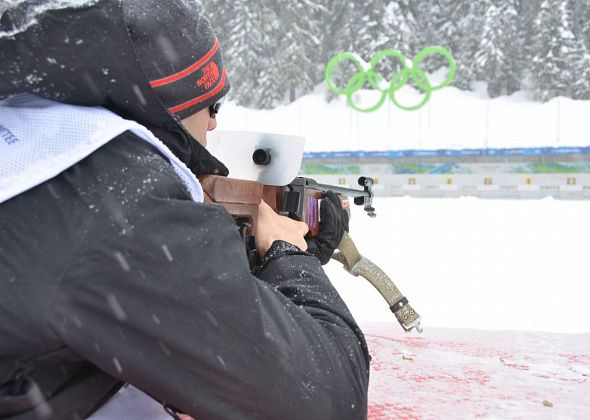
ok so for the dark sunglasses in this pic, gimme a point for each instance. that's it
(214, 109)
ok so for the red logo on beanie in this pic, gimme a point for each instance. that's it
(210, 75)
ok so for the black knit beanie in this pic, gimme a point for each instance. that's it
(105, 53)
(179, 53)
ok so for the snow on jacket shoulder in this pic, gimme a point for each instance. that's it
(110, 273)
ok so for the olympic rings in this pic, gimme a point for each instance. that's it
(366, 74)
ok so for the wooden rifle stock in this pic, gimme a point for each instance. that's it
(299, 200)
(240, 197)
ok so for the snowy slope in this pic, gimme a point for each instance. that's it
(451, 119)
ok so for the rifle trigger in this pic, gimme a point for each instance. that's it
(291, 203)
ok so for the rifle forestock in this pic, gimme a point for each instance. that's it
(299, 200)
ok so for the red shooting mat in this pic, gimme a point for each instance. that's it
(453, 374)
(465, 374)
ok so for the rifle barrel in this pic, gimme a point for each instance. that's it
(342, 190)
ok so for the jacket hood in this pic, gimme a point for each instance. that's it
(84, 55)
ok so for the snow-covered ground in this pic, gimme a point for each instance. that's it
(474, 263)
(467, 262)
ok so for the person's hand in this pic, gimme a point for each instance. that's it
(274, 227)
(333, 224)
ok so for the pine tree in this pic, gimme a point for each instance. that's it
(336, 36)
(499, 58)
(529, 11)
(298, 48)
(336, 30)
(580, 12)
(555, 50)
(466, 40)
(271, 48)
(370, 30)
(453, 25)
(398, 31)
(580, 88)
(376, 26)
(221, 15)
(277, 50)
(246, 31)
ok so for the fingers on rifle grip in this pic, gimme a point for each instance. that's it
(328, 210)
(345, 219)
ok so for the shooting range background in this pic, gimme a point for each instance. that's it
(518, 260)
(464, 262)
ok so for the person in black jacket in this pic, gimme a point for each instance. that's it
(113, 272)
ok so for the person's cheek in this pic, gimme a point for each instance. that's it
(212, 124)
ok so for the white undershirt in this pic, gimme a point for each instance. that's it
(130, 403)
(39, 139)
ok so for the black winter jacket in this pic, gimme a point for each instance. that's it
(109, 273)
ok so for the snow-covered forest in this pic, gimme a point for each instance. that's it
(276, 51)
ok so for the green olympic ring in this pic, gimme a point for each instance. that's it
(366, 74)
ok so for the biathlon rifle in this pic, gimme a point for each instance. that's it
(301, 200)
